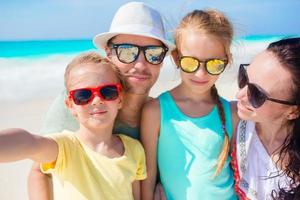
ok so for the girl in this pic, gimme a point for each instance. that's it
(91, 163)
(186, 131)
(266, 159)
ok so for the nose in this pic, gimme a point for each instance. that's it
(97, 99)
(201, 71)
(141, 62)
(242, 94)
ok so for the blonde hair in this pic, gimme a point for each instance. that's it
(92, 58)
(210, 22)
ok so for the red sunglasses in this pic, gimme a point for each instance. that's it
(84, 96)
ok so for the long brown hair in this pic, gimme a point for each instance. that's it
(287, 51)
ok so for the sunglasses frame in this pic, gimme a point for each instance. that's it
(95, 91)
(204, 62)
(143, 48)
(252, 86)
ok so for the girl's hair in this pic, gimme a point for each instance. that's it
(214, 23)
(287, 51)
(92, 58)
(210, 22)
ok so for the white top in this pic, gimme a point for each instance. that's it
(259, 175)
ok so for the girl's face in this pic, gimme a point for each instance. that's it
(268, 74)
(203, 47)
(97, 113)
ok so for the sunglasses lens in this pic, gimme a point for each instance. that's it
(188, 64)
(109, 92)
(242, 77)
(257, 98)
(215, 66)
(82, 96)
(127, 53)
(155, 54)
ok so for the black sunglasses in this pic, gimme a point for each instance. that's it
(256, 95)
(128, 53)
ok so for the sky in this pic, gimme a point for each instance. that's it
(82, 19)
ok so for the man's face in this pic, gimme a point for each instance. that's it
(140, 75)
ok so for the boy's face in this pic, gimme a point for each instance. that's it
(97, 113)
(140, 75)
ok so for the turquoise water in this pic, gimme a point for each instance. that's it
(259, 38)
(38, 66)
(41, 48)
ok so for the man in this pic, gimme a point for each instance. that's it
(136, 44)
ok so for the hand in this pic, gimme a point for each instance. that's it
(159, 193)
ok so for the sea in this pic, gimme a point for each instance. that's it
(34, 69)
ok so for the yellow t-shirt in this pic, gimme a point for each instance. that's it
(82, 173)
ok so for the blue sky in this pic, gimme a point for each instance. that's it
(76, 19)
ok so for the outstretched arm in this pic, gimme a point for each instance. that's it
(150, 125)
(57, 119)
(18, 144)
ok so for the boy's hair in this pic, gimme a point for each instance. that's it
(92, 58)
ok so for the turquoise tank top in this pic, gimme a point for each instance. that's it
(188, 150)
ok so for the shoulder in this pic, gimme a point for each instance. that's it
(64, 137)
(132, 145)
(151, 104)
(234, 114)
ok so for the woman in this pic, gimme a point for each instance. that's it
(266, 157)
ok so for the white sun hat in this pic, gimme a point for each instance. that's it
(135, 18)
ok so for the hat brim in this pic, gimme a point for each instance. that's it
(100, 40)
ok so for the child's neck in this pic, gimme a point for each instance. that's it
(132, 108)
(194, 96)
(102, 141)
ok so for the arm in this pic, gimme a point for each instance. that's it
(39, 184)
(235, 121)
(57, 118)
(18, 144)
(150, 125)
(136, 190)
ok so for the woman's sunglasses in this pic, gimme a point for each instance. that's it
(128, 53)
(256, 95)
(212, 66)
(83, 96)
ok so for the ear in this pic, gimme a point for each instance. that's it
(107, 51)
(120, 100)
(293, 113)
(69, 105)
(175, 57)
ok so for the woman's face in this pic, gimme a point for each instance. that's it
(268, 74)
(203, 47)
